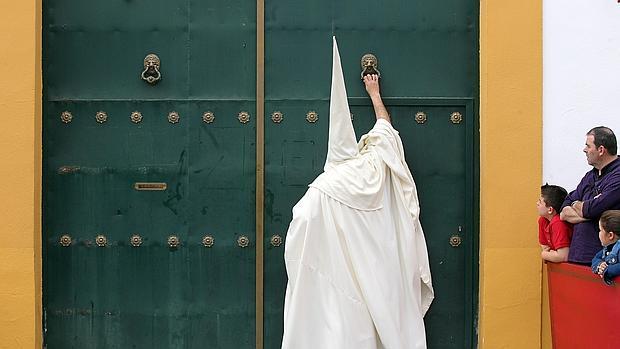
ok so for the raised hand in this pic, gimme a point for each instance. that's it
(372, 84)
(372, 87)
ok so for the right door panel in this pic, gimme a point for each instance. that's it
(428, 58)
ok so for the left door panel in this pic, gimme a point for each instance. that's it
(125, 267)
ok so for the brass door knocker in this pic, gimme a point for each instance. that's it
(151, 72)
(370, 65)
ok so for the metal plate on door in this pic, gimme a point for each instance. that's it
(150, 186)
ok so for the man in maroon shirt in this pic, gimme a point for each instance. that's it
(598, 191)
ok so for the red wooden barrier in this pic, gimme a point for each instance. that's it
(585, 312)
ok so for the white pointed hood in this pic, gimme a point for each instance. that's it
(342, 142)
(349, 177)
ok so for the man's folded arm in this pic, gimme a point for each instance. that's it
(609, 199)
(571, 215)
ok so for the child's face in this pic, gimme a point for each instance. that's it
(605, 237)
(543, 209)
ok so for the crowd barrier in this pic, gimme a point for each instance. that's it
(585, 312)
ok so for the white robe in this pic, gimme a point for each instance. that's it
(355, 254)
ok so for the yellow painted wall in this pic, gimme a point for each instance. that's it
(20, 96)
(510, 177)
(511, 148)
(545, 331)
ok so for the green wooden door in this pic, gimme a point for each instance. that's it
(112, 278)
(150, 295)
(427, 52)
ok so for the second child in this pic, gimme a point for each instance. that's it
(606, 263)
(554, 234)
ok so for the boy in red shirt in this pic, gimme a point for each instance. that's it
(554, 234)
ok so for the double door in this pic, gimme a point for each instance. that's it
(150, 230)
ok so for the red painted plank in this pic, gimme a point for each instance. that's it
(584, 310)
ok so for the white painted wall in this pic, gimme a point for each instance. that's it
(581, 82)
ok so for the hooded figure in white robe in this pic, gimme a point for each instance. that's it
(356, 257)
